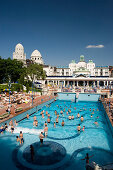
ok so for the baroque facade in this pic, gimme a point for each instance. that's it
(74, 69)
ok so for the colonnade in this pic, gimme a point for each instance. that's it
(78, 83)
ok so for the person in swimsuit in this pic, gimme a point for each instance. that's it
(57, 120)
(12, 128)
(46, 131)
(72, 117)
(54, 124)
(1, 129)
(6, 127)
(27, 116)
(15, 123)
(41, 136)
(81, 118)
(83, 128)
(78, 115)
(62, 123)
(48, 120)
(21, 137)
(17, 139)
(69, 117)
(78, 128)
(87, 157)
(36, 122)
(45, 124)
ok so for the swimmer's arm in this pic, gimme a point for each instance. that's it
(91, 156)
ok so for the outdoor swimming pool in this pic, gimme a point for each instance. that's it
(64, 147)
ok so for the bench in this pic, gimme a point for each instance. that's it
(4, 115)
(18, 109)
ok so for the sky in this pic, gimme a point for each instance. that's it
(61, 30)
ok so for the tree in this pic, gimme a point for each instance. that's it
(12, 68)
(35, 71)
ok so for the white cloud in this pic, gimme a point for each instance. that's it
(95, 46)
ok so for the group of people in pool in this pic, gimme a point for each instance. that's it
(12, 125)
(45, 113)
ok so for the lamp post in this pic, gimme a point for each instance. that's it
(109, 95)
(32, 93)
(9, 84)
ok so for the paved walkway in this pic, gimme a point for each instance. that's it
(25, 106)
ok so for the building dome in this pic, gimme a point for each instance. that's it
(19, 46)
(36, 57)
(36, 53)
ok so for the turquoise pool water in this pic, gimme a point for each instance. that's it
(64, 147)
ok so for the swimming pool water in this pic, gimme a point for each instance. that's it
(96, 140)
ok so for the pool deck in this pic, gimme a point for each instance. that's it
(108, 108)
(25, 106)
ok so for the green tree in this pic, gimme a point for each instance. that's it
(35, 71)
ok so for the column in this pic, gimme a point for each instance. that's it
(64, 83)
(84, 83)
(77, 83)
(97, 83)
(94, 83)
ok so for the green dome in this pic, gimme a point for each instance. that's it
(82, 58)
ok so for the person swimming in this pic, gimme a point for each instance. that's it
(72, 117)
(78, 128)
(81, 118)
(69, 117)
(62, 123)
(78, 115)
(83, 128)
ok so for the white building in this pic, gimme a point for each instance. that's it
(101, 71)
(74, 69)
(36, 57)
(80, 69)
(19, 53)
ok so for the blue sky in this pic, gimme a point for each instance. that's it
(61, 30)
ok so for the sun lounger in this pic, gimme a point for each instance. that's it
(4, 115)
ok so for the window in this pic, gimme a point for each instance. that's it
(35, 58)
